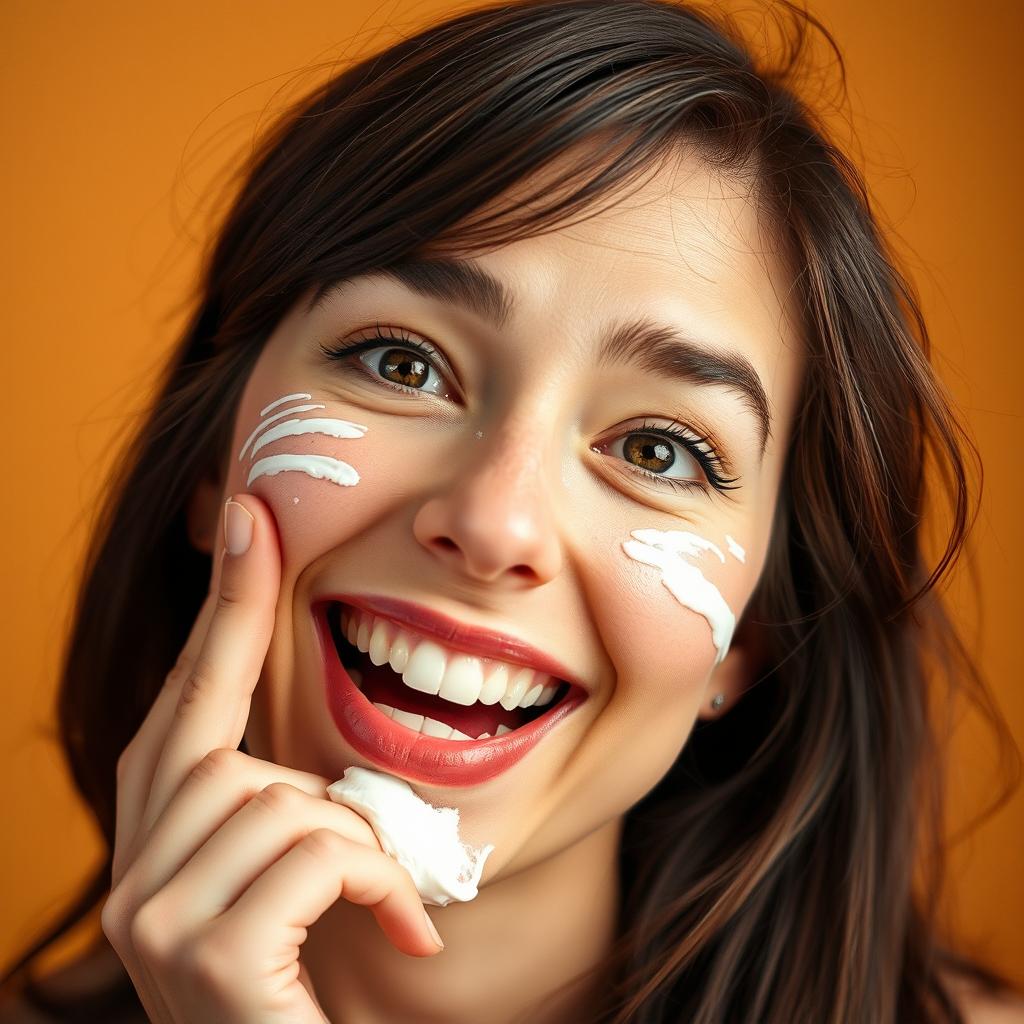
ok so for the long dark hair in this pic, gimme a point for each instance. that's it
(768, 876)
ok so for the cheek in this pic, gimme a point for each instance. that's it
(678, 594)
(327, 489)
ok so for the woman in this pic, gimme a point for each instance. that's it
(556, 346)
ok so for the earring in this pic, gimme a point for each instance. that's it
(718, 700)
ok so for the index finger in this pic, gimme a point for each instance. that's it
(213, 705)
(145, 746)
(140, 756)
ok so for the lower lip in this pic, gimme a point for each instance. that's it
(414, 756)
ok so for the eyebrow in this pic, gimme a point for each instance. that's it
(661, 349)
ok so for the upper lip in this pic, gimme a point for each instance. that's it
(484, 642)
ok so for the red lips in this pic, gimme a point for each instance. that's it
(485, 643)
(422, 758)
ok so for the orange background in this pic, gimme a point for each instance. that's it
(118, 117)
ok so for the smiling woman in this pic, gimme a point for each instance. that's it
(555, 473)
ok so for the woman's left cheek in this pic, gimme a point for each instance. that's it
(687, 589)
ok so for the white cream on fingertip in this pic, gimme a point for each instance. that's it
(669, 551)
(424, 839)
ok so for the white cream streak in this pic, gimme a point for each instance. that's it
(322, 467)
(734, 549)
(287, 398)
(667, 550)
(290, 428)
(272, 419)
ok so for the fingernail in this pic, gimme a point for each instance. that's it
(238, 526)
(433, 930)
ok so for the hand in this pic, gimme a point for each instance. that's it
(222, 861)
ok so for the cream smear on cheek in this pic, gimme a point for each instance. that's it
(675, 552)
(320, 467)
(734, 549)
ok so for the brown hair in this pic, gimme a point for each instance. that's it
(768, 876)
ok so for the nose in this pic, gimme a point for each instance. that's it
(493, 521)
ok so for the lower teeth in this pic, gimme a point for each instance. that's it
(431, 727)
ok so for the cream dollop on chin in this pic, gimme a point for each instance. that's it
(424, 839)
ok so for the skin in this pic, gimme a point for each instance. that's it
(489, 505)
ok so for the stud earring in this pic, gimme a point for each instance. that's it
(718, 700)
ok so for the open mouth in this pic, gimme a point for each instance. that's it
(414, 702)
(435, 691)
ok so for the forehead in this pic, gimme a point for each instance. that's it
(685, 245)
(685, 235)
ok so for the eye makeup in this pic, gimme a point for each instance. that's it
(675, 552)
(701, 449)
(347, 351)
(664, 439)
(320, 467)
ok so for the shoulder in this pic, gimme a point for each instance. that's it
(980, 1006)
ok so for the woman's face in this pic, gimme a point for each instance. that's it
(502, 488)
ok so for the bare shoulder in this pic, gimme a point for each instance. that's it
(979, 1006)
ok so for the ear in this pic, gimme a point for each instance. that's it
(202, 514)
(737, 671)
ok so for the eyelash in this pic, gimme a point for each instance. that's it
(708, 460)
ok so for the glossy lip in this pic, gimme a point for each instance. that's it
(484, 643)
(416, 757)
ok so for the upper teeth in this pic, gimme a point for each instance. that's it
(430, 667)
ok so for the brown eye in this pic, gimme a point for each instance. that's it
(669, 456)
(651, 452)
(402, 367)
(657, 455)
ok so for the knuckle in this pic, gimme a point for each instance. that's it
(220, 763)
(325, 843)
(124, 763)
(179, 671)
(148, 931)
(112, 916)
(397, 879)
(278, 797)
(400, 878)
(192, 686)
(229, 597)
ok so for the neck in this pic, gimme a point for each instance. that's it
(508, 954)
